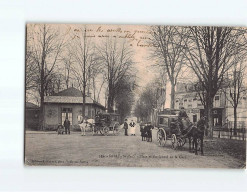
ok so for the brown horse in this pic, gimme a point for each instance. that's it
(196, 135)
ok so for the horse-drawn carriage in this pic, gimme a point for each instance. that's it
(168, 129)
(107, 122)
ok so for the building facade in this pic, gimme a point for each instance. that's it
(68, 104)
(223, 112)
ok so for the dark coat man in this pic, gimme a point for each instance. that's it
(66, 125)
(126, 127)
(143, 133)
(182, 114)
(148, 130)
(201, 124)
(97, 118)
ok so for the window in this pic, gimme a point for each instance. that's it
(217, 101)
(194, 118)
(194, 103)
(66, 109)
(163, 121)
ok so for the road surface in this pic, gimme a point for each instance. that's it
(48, 148)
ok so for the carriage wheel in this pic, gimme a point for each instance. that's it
(161, 137)
(174, 142)
(181, 141)
(116, 129)
(101, 130)
(105, 130)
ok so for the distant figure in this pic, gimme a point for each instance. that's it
(66, 125)
(60, 129)
(132, 128)
(148, 130)
(125, 127)
(143, 133)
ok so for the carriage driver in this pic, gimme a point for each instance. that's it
(182, 114)
(98, 117)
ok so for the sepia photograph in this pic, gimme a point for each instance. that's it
(135, 96)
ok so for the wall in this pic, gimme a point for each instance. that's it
(53, 113)
(32, 118)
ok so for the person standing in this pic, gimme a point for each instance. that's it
(143, 133)
(66, 125)
(126, 127)
(132, 128)
(148, 129)
(181, 115)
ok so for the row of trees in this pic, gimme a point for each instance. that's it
(214, 54)
(151, 100)
(57, 57)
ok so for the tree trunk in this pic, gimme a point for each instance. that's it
(110, 103)
(210, 118)
(84, 101)
(206, 114)
(42, 83)
(172, 95)
(41, 114)
(235, 120)
(110, 99)
(94, 89)
(67, 83)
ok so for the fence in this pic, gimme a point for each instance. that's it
(227, 131)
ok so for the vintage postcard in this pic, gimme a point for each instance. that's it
(135, 96)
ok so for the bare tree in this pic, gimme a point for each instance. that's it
(67, 60)
(47, 44)
(168, 44)
(82, 53)
(116, 60)
(95, 82)
(210, 53)
(234, 88)
(125, 95)
(31, 68)
(149, 102)
(54, 83)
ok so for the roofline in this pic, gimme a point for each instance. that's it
(98, 104)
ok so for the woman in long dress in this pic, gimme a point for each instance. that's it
(132, 130)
